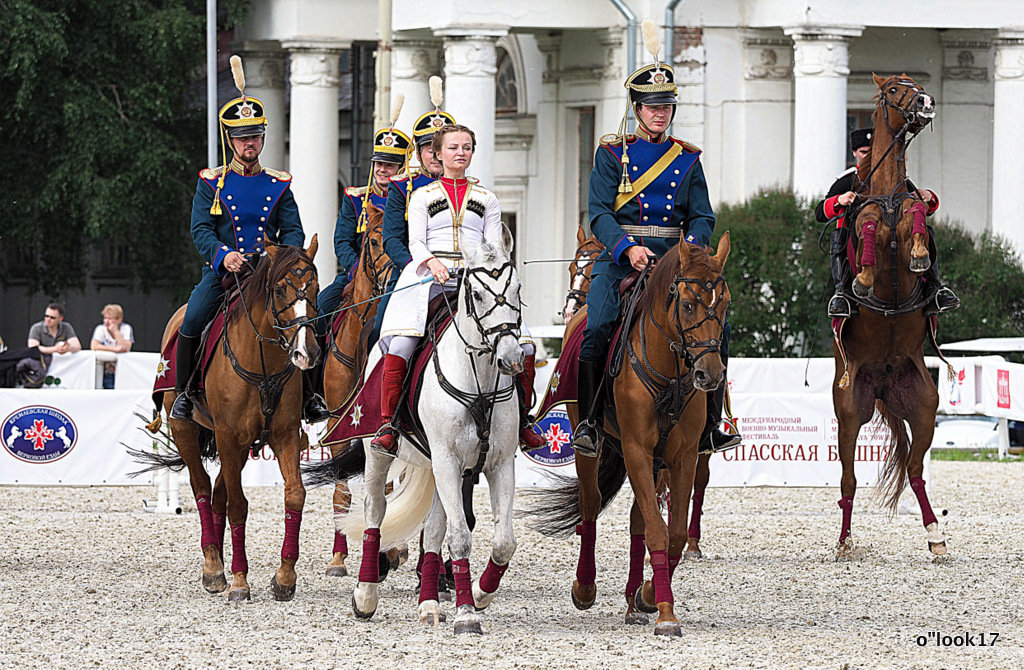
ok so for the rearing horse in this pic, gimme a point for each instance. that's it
(251, 396)
(653, 428)
(879, 352)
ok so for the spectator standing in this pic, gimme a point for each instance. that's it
(112, 335)
(53, 335)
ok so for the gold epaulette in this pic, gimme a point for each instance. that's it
(212, 173)
(278, 174)
(613, 139)
(355, 190)
(401, 176)
(693, 148)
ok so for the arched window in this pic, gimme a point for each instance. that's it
(506, 96)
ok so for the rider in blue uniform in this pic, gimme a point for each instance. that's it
(237, 209)
(391, 150)
(646, 192)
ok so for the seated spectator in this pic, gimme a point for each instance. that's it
(53, 335)
(112, 335)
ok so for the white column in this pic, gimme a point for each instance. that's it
(413, 62)
(264, 64)
(820, 69)
(313, 144)
(1008, 136)
(470, 63)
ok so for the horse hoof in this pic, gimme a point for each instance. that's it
(937, 548)
(920, 264)
(861, 291)
(641, 604)
(238, 595)
(282, 593)
(695, 554)
(403, 556)
(481, 598)
(637, 619)
(337, 571)
(215, 583)
(844, 550)
(360, 614)
(668, 629)
(468, 627)
(431, 614)
(583, 597)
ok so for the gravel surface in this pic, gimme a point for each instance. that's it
(91, 580)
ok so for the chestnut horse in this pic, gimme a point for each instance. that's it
(879, 352)
(587, 251)
(654, 424)
(252, 396)
(348, 352)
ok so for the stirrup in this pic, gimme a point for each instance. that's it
(530, 439)
(182, 408)
(314, 410)
(379, 443)
(840, 306)
(943, 301)
(716, 441)
(585, 440)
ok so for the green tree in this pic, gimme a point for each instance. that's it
(102, 132)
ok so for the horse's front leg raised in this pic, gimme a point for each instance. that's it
(366, 594)
(867, 226)
(919, 259)
(501, 484)
(287, 446)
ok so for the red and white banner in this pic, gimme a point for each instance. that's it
(983, 385)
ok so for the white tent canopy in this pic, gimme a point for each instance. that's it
(989, 344)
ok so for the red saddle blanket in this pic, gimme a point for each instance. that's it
(165, 369)
(361, 417)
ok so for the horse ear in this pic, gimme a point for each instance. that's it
(723, 249)
(878, 80)
(581, 236)
(272, 250)
(507, 242)
(313, 245)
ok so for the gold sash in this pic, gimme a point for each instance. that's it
(647, 177)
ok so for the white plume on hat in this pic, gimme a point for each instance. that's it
(436, 94)
(238, 74)
(651, 39)
(396, 108)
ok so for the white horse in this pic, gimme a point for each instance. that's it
(476, 356)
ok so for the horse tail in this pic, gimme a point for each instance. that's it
(893, 478)
(171, 459)
(408, 505)
(349, 462)
(556, 509)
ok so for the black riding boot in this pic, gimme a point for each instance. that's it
(314, 409)
(589, 390)
(939, 297)
(840, 306)
(184, 364)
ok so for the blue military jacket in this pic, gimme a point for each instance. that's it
(396, 225)
(676, 198)
(348, 231)
(254, 207)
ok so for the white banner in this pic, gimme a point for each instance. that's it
(136, 370)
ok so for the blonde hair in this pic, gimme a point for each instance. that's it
(113, 310)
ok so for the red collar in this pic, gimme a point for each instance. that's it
(456, 190)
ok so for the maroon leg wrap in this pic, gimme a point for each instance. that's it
(868, 230)
(369, 570)
(920, 210)
(238, 561)
(491, 578)
(209, 533)
(585, 569)
(428, 577)
(673, 561)
(290, 548)
(698, 509)
(637, 550)
(463, 582)
(220, 522)
(662, 580)
(340, 543)
(846, 504)
(927, 515)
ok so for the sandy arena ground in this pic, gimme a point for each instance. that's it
(89, 579)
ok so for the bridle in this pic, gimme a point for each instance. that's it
(379, 272)
(580, 271)
(503, 329)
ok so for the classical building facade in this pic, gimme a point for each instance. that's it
(768, 88)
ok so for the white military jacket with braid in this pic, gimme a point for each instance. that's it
(437, 230)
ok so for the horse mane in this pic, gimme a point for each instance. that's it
(268, 272)
(699, 263)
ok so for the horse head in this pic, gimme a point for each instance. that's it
(490, 300)
(580, 269)
(913, 108)
(374, 262)
(292, 288)
(701, 297)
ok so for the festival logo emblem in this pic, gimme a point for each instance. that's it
(38, 434)
(954, 387)
(556, 428)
